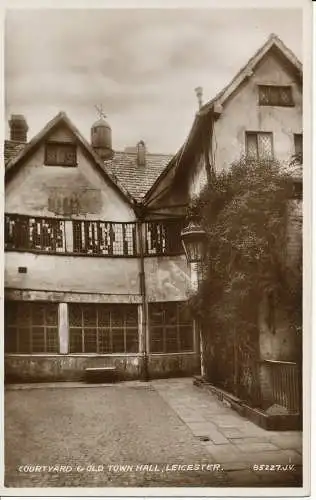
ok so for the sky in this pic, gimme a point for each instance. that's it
(141, 65)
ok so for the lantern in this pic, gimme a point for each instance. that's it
(193, 239)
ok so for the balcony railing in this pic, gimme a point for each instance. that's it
(88, 237)
(59, 236)
(286, 384)
(163, 237)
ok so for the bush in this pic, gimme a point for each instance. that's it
(244, 212)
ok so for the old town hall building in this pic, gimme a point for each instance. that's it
(95, 272)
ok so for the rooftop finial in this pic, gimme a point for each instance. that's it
(199, 95)
(100, 111)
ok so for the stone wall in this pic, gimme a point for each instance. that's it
(53, 368)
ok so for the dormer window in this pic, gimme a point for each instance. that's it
(61, 154)
(275, 95)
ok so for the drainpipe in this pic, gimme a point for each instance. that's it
(208, 149)
(142, 282)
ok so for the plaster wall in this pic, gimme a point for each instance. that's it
(242, 113)
(167, 278)
(64, 273)
(50, 191)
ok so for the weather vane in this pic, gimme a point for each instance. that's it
(100, 111)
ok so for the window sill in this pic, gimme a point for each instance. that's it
(68, 254)
(90, 355)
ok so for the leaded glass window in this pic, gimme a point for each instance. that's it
(275, 95)
(259, 145)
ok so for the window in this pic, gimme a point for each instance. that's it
(104, 238)
(259, 145)
(61, 153)
(95, 328)
(298, 148)
(297, 190)
(163, 238)
(31, 327)
(273, 95)
(171, 327)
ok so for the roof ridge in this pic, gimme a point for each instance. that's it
(62, 116)
(147, 153)
(273, 39)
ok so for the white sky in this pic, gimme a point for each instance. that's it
(142, 65)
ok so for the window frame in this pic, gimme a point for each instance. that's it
(278, 102)
(257, 133)
(165, 327)
(297, 153)
(110, 330)
(60, 144)
(32, 325)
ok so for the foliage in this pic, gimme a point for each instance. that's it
(244, 212)
(296, 159)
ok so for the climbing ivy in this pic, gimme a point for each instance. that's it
(245, 213)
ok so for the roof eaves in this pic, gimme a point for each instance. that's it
(163, 174)
(33, 142)
(61, 116)
(243, 73)
(246, 70)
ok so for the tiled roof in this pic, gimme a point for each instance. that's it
(12, 149)
(137, 179)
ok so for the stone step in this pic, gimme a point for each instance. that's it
(101, 374)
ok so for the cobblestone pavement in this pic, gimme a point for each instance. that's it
(95, 431)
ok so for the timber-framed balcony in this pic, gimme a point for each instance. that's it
(60, 236)
(96, 238)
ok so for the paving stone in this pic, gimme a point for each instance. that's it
(226, 420)
(258, 446)
(224, 453)
(246, 439)
(208, 430)
(242, 478)
(273, 457)
(287, 442)
(251, 430)
(231, 432)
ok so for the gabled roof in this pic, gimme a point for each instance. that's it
(273, 42)
(18, 155)
(137, 178)
(211, 107)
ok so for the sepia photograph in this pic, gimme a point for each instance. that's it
(153, 249)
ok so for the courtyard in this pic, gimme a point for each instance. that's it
(136, 434)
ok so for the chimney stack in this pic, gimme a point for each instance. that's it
(18, 128)
(199, 95)
(141, 153)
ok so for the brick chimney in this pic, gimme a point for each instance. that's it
(141, 153)
(18, 128)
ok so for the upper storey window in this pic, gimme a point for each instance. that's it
(61, 153)
(274, 95)
(259, 145)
